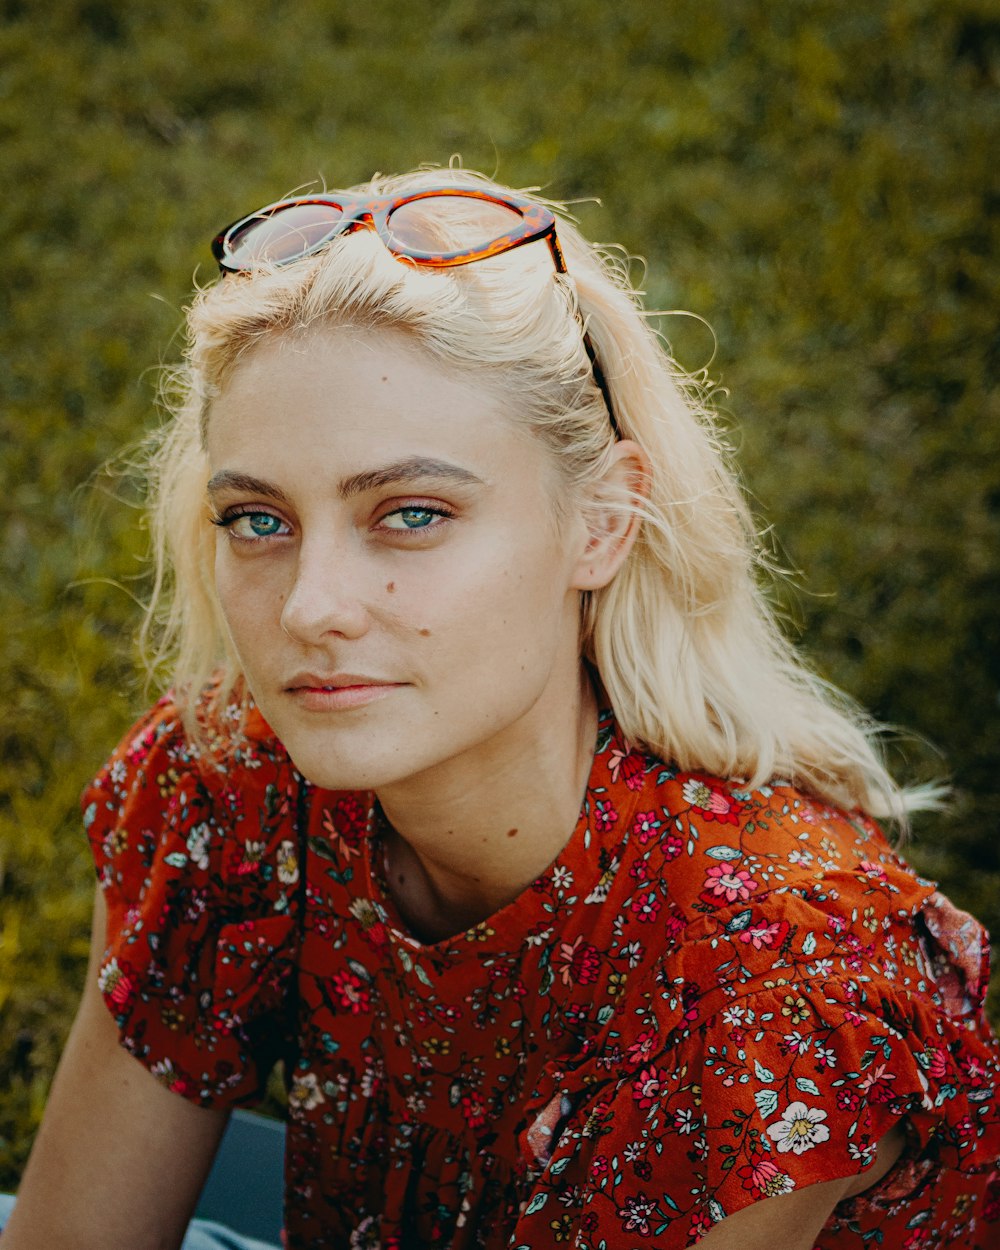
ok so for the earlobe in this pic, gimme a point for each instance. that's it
(612, 515)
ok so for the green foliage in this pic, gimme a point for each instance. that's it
(815, 179)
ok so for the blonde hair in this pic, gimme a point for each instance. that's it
(683, 639)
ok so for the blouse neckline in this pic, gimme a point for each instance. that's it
(509, 926)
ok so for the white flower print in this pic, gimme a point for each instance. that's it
(197, 845)
(305, 1092)
(365, 1236)
(800, 1129)
(684, 1120)
(562, 877)
(288, 863)
(165, 1072)
(696, 793)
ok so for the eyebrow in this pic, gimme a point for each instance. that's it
(229, 479)
(413, 468)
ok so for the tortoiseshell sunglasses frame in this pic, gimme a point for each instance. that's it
(361, 211)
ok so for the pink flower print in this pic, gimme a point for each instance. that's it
(974, 1070)
(673, 927)
(374, 930)
(346, 822)
(599, 1166)
(117, 982)
(232, 799)
(873, 871)
(351, 992)
(645, 907)
(605, 815)
(918, 1238)
(581, 962)
(764, 1179)
(877, 1084)
(474, 1109)
(641, 1048)
(646, 1087)
(244, 863)
(732, 885)
(764, 935)
(140, 746)
(635, 1214)
(672, 845)
(712, 802)
(631, 766)
(644, 827)
(847, 1099)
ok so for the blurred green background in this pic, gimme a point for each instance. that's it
(815, 178)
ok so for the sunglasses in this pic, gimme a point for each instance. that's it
(435, 228)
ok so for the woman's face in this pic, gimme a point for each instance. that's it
(390, 566)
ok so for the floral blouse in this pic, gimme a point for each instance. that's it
(712, 996)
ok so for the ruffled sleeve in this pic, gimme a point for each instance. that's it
(749, 1073)
(200, 872)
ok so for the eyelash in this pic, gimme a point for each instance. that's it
(229, 518)
(435, 510)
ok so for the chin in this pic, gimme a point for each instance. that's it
(346, 759)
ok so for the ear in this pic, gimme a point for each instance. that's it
(612, 526)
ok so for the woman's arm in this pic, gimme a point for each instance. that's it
(119, 1160)
(793, 1221)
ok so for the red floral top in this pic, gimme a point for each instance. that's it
(712, 996)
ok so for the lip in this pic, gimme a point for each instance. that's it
(337, 692)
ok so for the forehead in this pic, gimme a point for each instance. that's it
(347, 399)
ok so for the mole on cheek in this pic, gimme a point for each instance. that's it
(424, 633)
(511, 833)
(390, 586)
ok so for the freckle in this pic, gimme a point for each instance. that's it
(511, 833)
(401, 879)
(424, 633)
(390, 586)
(385, 378)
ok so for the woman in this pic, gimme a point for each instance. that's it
(436, 515)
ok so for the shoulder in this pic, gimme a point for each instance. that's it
(724, 849)
(158, 757)
(164, 797)
(727, 889)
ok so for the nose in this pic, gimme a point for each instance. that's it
(326, 597)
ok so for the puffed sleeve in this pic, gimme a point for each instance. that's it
(766, 1061)
(200, 872)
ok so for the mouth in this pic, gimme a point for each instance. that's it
(336, 681)
(339, 691)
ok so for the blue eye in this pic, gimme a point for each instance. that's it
(410, 518)
(250, 526)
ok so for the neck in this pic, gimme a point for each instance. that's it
(465, 841)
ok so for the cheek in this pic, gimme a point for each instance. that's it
(249, 600)
(508, 605)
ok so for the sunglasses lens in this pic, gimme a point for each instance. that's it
(440, 224)
(282, 236)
